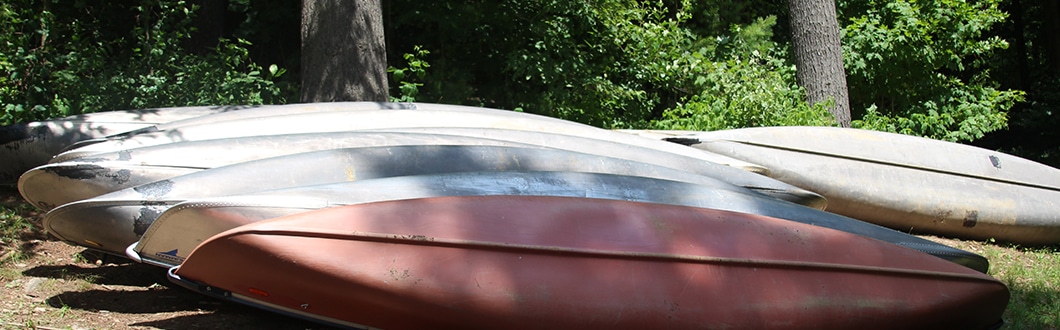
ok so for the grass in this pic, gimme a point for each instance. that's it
(1033, 277)
(1032, 274)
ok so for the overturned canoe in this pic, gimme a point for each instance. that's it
(484, 262)
(27, 145)
(63, 182)
(424, 115)
(255, 112)
(185, 225)
(905, 182)
(56, 184)
(113, 221)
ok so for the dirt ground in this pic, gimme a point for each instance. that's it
(46, 284)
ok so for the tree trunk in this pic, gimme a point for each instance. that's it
(343, 52)
(819, 56)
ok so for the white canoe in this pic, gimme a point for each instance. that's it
(905, 182)
(255, 112)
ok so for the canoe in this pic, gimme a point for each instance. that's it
(112, 221)
(424, 115)
(51, 185)
(27, 145)
(581, 263)
(58, 183)
(905, 182)
(256, 112)
(182, 227)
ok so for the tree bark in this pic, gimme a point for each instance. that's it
(343, 52)
(819, 56)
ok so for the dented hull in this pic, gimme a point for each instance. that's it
(517, 262)
(182, 227)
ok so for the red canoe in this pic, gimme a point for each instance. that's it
(507, 262)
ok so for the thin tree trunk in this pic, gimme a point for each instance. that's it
(819, 56)
(343, 51)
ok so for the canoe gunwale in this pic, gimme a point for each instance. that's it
(226, 295)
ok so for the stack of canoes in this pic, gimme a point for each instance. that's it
(400, 215)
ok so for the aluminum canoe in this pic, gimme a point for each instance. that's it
(519, 262)
(180, 228)
(423, 115)
(112, 221)
(51, 185)
(27, 145)
(59, 183)
(905, 182)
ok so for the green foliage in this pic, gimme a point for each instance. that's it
(755, 86)
(79, 57)
(409, 79)
(915, 67)
(609, 63)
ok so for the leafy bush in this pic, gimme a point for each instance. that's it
(82, 57)
(916, 67)
(408, 80)
(753, 86)
(608, 63)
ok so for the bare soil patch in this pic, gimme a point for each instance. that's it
(47, 284)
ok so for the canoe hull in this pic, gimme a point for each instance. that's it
(348, 116)
(113, 221)
(59, 183)
(580, 263)
(904, 182)
(182, 227)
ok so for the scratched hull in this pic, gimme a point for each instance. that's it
(422, 115)
(182, 227)
(908, 183)
(51, 185)
(471, 262)
(112, 221)
(25, 146)
(40, 185)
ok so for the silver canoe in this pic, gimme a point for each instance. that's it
(27, 145)
(424, 115)
(51, 185)
(59, 183)
(905, 182)
(182, 227)
(113, 221)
